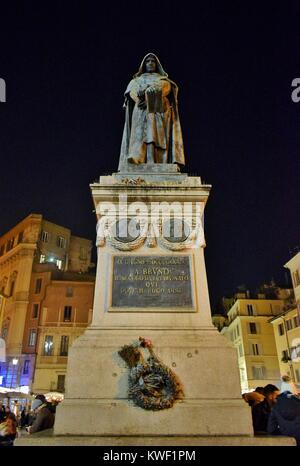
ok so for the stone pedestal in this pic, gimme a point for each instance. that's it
(152, 284)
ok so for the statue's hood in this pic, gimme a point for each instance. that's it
(142, 70)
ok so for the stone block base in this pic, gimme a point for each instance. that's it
(47, 438)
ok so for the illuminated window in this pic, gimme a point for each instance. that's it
(59, 263)
(67, 313)
(64, 345)
(35, 311)
(42, 258)
(48, 345)
(32, 337)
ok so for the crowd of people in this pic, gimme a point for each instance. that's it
(39, 416)
(276, 411)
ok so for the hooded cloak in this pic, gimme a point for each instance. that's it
(156, 124)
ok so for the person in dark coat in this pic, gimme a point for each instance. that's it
(44, 418)
(262, 410)
(285, 416)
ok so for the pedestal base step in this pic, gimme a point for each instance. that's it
(47, 438)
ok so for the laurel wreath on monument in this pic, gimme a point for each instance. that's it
(152, 385)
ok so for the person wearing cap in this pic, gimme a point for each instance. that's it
(44, 418)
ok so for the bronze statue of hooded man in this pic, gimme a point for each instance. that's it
(152, 131)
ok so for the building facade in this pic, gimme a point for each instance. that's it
(251, 333)
(287, 328)
(31, 242)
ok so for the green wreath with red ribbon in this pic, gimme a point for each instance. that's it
(152, 385)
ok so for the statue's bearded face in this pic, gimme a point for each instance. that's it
(150, 64)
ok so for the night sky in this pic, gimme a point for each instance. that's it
(66, 67)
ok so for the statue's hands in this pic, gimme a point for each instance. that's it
(151, 90)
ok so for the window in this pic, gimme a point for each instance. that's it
(297, 374)
(255, 349)
(61, 242)
(285, 355)
(35, 311)
(289, 325)
(296, 278)
(259, 372)
(69, 292)
(252, 327)
(83, 254)
(12, 288)
(42, 258)
(45, 236)
(296, 321)
(2, 249)
(280, 329)
(26, 367)
(38, 286)
(32, 337)
(59, 263)
(61, 383)
(250, 309)
(238, 331)
(20, 237)
(67, 313)
(10, 244)
(64, 345)
(48, 345)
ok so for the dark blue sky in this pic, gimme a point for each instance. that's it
(66, 65)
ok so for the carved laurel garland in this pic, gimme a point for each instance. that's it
(151, 234)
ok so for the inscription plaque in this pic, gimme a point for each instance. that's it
(152, 281)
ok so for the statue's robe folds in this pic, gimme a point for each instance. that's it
(157, 124)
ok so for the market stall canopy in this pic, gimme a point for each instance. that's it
(12, 393)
